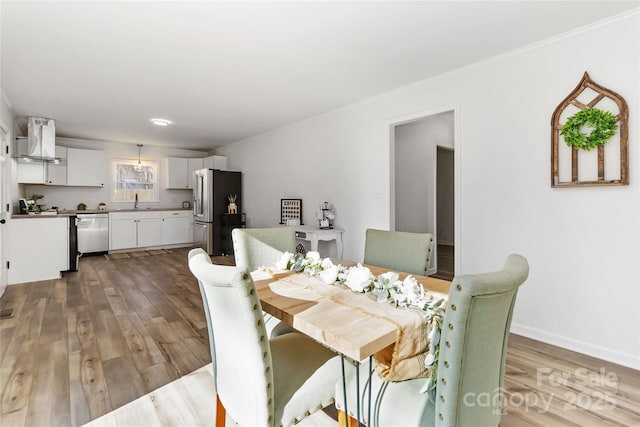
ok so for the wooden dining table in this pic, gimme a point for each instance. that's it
(353, 327)
(353, 324)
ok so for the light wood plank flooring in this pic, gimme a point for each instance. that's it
(77, 348)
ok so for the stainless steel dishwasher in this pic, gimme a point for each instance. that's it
(93, 233)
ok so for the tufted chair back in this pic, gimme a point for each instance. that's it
(474, 343)
(398, 250)
(470, 365)
(242, 367)
(257, 247)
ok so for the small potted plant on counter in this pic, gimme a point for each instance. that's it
(233, 207)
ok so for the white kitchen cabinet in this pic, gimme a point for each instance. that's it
(85, 167)
(180, 171)
(31, 173)
(149, 232)
(216, 162)
(57, 173)
(128, 230)
(38, 248)
(123, 234)
(176, 227)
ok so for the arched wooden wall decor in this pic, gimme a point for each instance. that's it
(595, 168)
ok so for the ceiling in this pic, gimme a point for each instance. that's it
(225, 71)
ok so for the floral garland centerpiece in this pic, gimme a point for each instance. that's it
(389, 289)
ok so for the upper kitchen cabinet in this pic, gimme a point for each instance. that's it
(180, 170)
(57, 172)
(216, 162)
(85, 167)
(50, 172)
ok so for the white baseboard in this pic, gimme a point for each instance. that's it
(624, 359)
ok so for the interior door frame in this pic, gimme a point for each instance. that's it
(390, 126)
(5, 205)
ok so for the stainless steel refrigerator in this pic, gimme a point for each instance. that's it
(211, 190)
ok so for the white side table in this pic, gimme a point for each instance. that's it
(315, 234)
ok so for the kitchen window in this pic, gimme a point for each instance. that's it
(131, 178)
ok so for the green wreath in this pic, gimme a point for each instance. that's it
(604, 126)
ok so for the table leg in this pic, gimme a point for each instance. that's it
(344, 385)
(339, 245)
(314, 243)
(221, 413)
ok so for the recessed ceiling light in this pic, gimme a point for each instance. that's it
(160, 122)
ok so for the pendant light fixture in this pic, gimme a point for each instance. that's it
(139, 165)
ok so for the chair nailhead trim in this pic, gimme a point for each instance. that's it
(442, 398)
(448, 344)
(255, 306)
(269, 402)
(251, 292)
(319, 406)
(261, 337)
(267, 370)
(245, 276)
(264, 355)
(307, 413)
(444, 381)
(268, 386)
(446, 364)
(259, 322)
(332, 400)
(450, 327)
(453, 307)
(459, 288)
(441, 417)
(295, 421)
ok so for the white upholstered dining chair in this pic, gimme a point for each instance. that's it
(470, 370)
(399, 250)
(259, 382)
(262, 247)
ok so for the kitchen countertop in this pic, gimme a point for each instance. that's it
(66, 213)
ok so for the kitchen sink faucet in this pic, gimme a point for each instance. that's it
(135, 205)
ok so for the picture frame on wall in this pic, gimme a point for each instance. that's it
(291, 211)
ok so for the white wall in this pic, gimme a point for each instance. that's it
(583, 244)
(415, 149)
(69, 197)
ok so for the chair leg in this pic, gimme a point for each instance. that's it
(221, 413)
(345, 421)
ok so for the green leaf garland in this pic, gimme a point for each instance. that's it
(604, 126)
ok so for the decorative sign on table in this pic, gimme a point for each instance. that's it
(291, 211)
(592, 124)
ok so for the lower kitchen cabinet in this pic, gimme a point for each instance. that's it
(176, 227)
(38, 248)
(128, 230)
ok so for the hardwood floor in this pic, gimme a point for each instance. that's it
(109, 336)
(76, 348)
(445, 262)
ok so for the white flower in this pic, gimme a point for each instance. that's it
(388, 278)
(326, 263)
(330, 274)
(359, 278)
(285, 259)
(410, 286)
(314, 256)
(428, 361)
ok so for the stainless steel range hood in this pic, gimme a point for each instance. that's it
(40, 144)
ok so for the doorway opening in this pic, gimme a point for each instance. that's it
(445, 208)
(422, 199)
